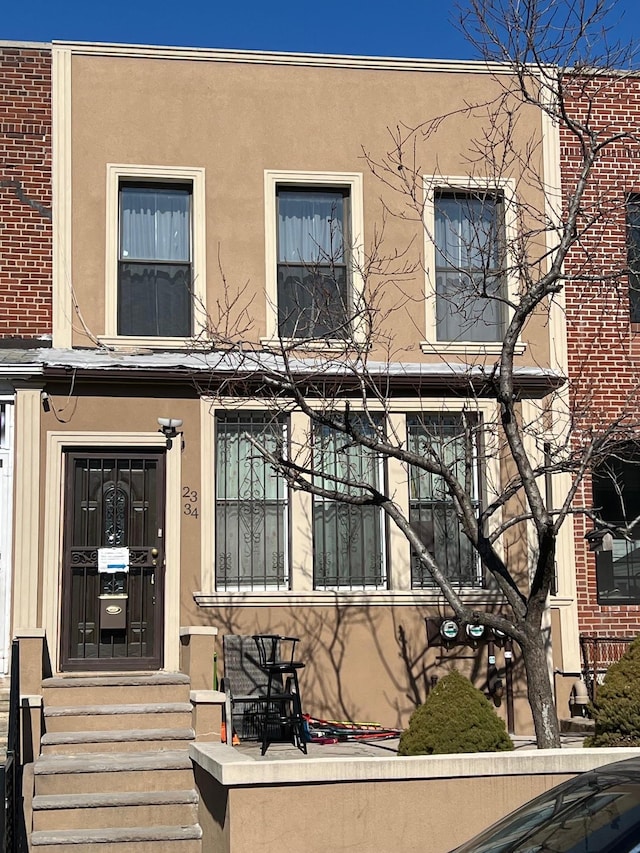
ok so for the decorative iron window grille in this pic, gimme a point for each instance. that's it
(348, 539)
(452, 438)
(252, 508)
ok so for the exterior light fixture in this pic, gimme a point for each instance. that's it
(169, 428)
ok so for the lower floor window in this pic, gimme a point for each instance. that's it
(348, 541)
(616, 500)
(334, 537)
(449, 438)
(251, 504)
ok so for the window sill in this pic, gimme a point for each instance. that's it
(124, 342)
(312, 345)
(468, 348)
(324, 598)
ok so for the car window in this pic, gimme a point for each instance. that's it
(501, 837)
(606, 822)
(586, 815)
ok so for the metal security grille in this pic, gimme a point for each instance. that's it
(432, 513)
(348, 539)
(115, 501)
(252, 513)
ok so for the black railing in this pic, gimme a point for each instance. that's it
(598, 653)
(10, 773)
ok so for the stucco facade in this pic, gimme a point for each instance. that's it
(229, 137)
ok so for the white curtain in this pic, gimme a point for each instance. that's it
(154, 224)
(467, 251)
(310, 227)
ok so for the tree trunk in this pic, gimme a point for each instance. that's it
(539, 691)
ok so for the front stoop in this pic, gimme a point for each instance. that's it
(114, 774)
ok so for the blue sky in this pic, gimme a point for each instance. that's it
(418, 28)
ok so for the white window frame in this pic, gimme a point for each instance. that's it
(352, 181)
(440, 183)
(116, 174)
(397, 549)
(479, 475)
(286, 510)
(382, 523)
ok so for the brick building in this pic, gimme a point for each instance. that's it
(25, 191)
(26, 252)
(603, 339)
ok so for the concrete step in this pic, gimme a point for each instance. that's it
(112, 689)
(169, 839)
(78, 718)
(113, 772)
(126, 740)
(97, 811)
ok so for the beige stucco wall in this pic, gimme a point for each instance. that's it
(363, 661)
(368, 662)
(333, 800)
(415, 816)
(235, 120)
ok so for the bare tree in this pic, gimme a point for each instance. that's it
(514, 230)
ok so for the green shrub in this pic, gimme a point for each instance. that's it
(617, 708)
(455, 718)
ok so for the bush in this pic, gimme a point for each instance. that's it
(455, 718)
(617, 709)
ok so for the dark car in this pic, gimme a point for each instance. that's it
(597, 812)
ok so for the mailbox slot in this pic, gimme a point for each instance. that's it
(113, 612)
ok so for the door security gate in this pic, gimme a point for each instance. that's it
(113, 573)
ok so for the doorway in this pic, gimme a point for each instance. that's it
(113, 561)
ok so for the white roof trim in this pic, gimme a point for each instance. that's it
(265, 57)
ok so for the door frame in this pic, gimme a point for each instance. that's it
(151, 661)
(57, 444)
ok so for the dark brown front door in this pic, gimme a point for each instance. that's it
(113, 573)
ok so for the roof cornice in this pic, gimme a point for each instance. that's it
(260, 57)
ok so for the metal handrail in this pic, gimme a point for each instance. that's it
(11, 776)
(598, 653)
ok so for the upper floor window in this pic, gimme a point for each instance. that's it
(452, 438)
(154, 264)
(314, 257)
(348, 539)
(251, 503)
(633, 255)
(469, 250)
(313, 279)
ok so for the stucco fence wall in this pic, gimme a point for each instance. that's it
(370, 805)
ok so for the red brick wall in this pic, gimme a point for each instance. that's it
(25, 165)
(603, 346)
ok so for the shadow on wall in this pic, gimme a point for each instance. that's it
(369, 662)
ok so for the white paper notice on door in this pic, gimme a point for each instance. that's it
(111, 560)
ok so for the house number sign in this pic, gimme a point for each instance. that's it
(190, 498)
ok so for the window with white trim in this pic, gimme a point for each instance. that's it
(314, 293)
(348, 539)
(452, 439)
(470, 226)
(155, 255)
(252, 513)
(314, 256)
(155, 295)
(469, 244)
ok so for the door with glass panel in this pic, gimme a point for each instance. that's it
(113, 571)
